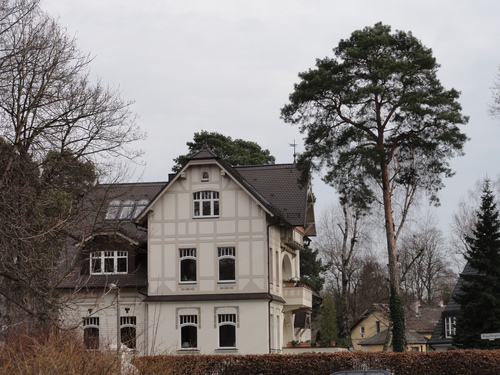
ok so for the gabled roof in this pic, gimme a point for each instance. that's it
(275, 187)
(452, 309)
(91, 223)
(412, 338)
(422, 321)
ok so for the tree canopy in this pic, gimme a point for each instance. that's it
(375, 115)
(236, 152)
(478, 298)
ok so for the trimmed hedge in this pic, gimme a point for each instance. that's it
(455, 362)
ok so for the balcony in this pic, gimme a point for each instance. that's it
(298, 296)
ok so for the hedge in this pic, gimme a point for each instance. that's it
(455, 362)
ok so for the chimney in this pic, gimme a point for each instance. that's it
(415, 305)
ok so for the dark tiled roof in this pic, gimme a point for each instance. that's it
(91, 222)
(423, 321)
(452, 309)
(412, 338)
(279, 185)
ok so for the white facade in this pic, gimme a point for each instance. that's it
(217, 256)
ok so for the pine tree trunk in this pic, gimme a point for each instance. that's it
(397, 312)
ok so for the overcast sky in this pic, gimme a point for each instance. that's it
(228, 66)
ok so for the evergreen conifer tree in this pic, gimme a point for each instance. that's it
(479, 296)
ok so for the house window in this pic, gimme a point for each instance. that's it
(205, 177)
(206, 204)
(227, 263)
(449, 326)
(377, 327)
(362, 330)
(227, 330)
(189, 331)
(91, 333)
(187, 265)
(125, 209)
(128, 331)
(109, 262)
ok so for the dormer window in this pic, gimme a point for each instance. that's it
(206, 204)
(205, 177)
(125, 209)
(108, 262)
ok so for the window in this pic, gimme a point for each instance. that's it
(449, 326)
(188, 265)
(128, 331)
(204, 177)
(109, 262)
(206, 204)
(377, 327)
(227, 330)
(227, 263)
(126, 209)
(91, 333)
(362, 330)
(189, 331)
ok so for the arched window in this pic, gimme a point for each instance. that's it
(91, 333)
(188, 265)
(205, 177)
(189, 323)
(227, 264)
(128, 331)
(226, 324)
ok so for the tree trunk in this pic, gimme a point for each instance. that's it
(397, 313)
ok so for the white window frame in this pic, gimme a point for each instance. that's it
(125, 209)
(129, 322)
(226, 316)
(102, 256)
(228, 252)
(188, 254)
(188, 318)
(207, 198)
(450, 326)
(91, 323)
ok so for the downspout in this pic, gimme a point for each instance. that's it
(269, 286)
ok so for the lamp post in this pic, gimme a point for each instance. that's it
(118, 331)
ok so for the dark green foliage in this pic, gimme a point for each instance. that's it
(375, 115)
(397, 322)
(376, 102)
(479, 297)
(312, 269)
(236, 152)
(328, 331)
(37, 204)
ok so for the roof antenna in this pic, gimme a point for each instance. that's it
(294, 145)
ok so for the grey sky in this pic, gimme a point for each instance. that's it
(229, 66)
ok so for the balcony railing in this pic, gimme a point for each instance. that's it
(297, 296)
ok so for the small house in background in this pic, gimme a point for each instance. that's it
(192, 265)
(442, 336)
(369, 333)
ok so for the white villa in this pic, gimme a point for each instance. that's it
(193, 265)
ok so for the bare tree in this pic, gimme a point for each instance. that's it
(494, 107)
(342, 242)
(57, 129)
(427, 272)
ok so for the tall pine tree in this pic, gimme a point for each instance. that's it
(479, 297)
